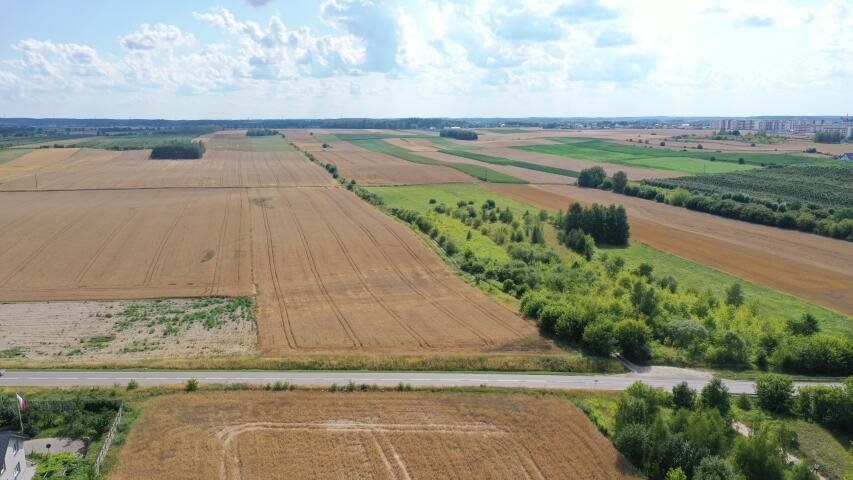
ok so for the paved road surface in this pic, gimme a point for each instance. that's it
(665, 379)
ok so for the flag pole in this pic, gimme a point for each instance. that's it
(20, 416)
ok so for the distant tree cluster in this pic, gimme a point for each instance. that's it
(605, 225)
(458, 133)
(828, 137)
(260, 132)
(178, 151)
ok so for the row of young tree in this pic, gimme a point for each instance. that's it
(178, 150)
(458, 133)
(684, 434)
(828, 137)
(603, 225)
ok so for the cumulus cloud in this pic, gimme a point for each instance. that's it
(757, 21)
(527, 25)
(258, 3)
(613, 38)
(578, 11)
(375, 24)
(149, 37)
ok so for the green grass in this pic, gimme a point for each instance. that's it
(9, 154)
(131, 142)
(482, 173)
(270, 143)
(652, 156)
(515, 163)
(771, 304)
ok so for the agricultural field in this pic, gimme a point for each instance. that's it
(336, 275)
(476, 171)
(825, 185)
(607, 152)
(128, 142)
(371, 168)
(572, 164)
(366, 434)
(8, 154)
(506, 161)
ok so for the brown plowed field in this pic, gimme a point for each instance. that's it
(814, 268)
(634, 173)
(370, 168)
(88, 169)
(123, 244)
(335, 274)
(377, 435)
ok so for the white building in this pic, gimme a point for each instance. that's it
(14, 460)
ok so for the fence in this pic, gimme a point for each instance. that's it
(108, 440)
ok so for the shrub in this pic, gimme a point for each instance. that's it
(683, 396)
(734, 295)
(714, 468)
(815, 354)
(743, 402)
(631, 441)
(716, 395)
(598, 338)
(775, 393)
(591, 177)
(192, 385)
(758, 458)
(632, 338)
(132, 385)
(620, 181)
(805, 325)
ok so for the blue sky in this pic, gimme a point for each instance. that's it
(353, 58)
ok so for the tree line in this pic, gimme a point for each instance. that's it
(261, 132)
(181, 150)
(458, 133)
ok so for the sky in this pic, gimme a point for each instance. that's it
(238, 59)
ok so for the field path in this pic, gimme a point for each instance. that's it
(810, 267)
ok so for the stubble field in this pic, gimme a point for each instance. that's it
(382, 435)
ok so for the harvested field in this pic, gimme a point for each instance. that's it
(334, 274)
(87, 169)
(371, 168)
(112, 244)
(807, 266)
(95, 330)
(387, 435)
(634, 173)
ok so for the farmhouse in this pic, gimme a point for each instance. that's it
(846, 157)
(13, 462)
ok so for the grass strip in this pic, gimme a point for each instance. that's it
(515, 163)
(476, 171)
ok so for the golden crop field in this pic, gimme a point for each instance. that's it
(382, 435)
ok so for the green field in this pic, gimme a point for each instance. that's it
(270, 143)
(824, 185)
(652, 156)
(770, 304)
(131, 142)
(515, 163)
(482, 173)
(348, 137)
(9, 154)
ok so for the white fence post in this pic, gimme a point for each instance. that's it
(108, 440)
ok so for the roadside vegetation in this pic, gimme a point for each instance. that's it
(711, 434)
(809, 198)
(591, 299)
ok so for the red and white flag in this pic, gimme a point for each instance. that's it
(22, 403)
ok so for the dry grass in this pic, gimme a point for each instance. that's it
(249, 435)
(371, 168)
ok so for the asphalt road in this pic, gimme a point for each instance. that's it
(66, 378)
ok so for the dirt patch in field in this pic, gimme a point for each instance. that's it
(370, 168)
(383, 435)
(334, 274)
(634, 173)
(92, 330)
(811, 267)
